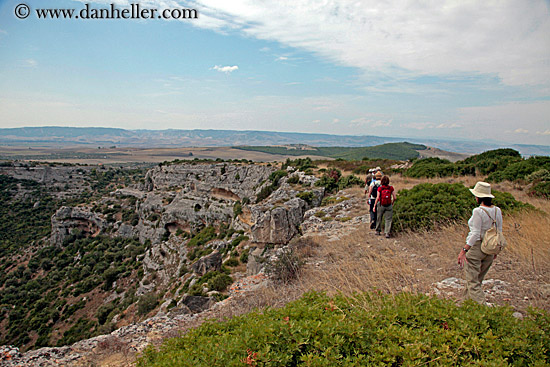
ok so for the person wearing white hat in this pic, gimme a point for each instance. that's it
(475, 262)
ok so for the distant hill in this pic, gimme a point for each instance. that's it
(399, 151)
(98, 136)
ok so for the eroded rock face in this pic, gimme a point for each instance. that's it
(67, 219)
(220, 181)
(208, 263)
(279, 224)
(278, 220)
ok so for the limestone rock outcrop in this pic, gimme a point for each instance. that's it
(67, 219)
(219, 181)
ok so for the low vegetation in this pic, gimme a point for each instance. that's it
(367, 329)
(427, 205)
(499, 165)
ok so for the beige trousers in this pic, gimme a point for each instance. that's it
(475, 269)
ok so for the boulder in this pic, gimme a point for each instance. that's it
(208, 263)
(277, 224)
(196, 304)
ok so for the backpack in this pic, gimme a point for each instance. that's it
(374, 191)
(493, 241)
(385, 196)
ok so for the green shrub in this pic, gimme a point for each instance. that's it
(367, 330)
(306, 196)
(348, 181)
(220, 282)
(237, 209)
(293, 180)
(427, 205)
(541, 189)
(232, 262)
(244, 256)
(484, 163)
(521, 169)
(206, 234)
(276, 176)
(540, 175)
(329, 180)
(147, 303)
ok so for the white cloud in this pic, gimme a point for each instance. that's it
(521, 131)
(546, 132)
(281, 58)
(371, 122)
(402, 39)
(448, 126)
(30, 63)
(226, 69)
(419, 125)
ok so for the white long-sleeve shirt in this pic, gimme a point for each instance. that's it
(480, 222)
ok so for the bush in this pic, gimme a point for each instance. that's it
(220, 282)
(520, 170)
(232, 262)
(427, 205)
(237, 209)
(329, 180)
(484, 163)
(306, 196)
(293, 180)
(206, 234)
(348, 181)
(541, 189)
(244, 256)
(367, 330)
(147, 303)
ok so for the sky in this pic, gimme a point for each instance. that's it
(472, 70)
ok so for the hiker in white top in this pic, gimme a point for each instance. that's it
(475, 262)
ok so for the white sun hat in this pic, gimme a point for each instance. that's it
(482, 190)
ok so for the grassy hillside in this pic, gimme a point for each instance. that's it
(368, 329)
(397, 151)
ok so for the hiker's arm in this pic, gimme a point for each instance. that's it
(393, 196)
(475, 228)
(462, 256)
(375, 203)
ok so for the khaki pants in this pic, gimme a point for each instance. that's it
(475, 269)
(387, 212)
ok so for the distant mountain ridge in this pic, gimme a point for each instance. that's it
(67, 136)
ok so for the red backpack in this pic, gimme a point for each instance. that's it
(385, 195)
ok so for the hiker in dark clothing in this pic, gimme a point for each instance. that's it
(373, 193)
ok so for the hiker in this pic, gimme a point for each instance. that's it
(475, 262)
(368, 180)
(372, 195)
(383, 206)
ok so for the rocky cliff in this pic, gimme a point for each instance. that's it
(193, 219)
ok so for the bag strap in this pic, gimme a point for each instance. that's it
(487, 212)
(489, 215)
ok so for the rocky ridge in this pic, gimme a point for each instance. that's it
(175, 200)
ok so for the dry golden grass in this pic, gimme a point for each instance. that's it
(413, 262)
